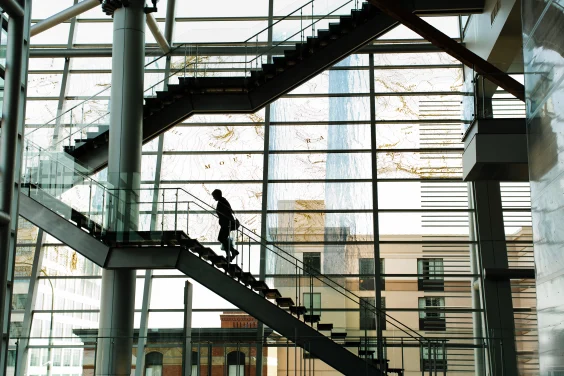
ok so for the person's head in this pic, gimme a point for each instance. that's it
(216, 194)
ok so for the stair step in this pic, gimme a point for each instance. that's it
(335, 29)
(338, 335)
(154, 104)
(312, 44)
(325, 327)
(205, 252)
(259, 286)
(272, 294)
(190, 243)
(279, 63)
(324, 36)
(284, 302)
(269, 70)
(352, 344)
(298, 310)
(311, 318)
(247, 278)
(366, 352)
(218, 261)
(234, 270)
(166, 97)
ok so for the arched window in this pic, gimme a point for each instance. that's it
(154, 364)
(236, 363)
(195, 370)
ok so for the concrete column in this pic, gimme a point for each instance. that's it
(496, 295)
(114, 356)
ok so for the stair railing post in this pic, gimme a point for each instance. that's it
(246, 62)
(242, 248)
(185, 59)
(444, 363)
(301, 25)
(90, 205)
(257, 53)
(176, 212)
(429, 355)
(197, 62)
(70, 127)
(162, 215)
(187, 217)
(312, 20)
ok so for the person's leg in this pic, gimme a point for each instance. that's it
(223, 237)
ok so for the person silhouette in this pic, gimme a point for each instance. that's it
(226, 224)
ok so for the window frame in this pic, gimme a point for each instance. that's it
(427, 281)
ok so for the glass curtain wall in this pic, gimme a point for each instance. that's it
(385, 126)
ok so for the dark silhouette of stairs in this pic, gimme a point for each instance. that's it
(249, 93)
(176, 250)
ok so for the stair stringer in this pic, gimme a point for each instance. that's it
(63, 230)
(278, 319)
(255, 305)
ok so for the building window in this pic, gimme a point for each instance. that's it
(431, 313)
(430, 273)
(236, 363)
(366, 269)
(368, 314)
(433, 359)
(312, 262)
(154, 364)
(312, 303)
(195, 370)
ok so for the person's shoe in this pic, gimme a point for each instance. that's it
(234, 253)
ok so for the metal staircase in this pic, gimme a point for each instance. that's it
(84, 217)
(267, 72)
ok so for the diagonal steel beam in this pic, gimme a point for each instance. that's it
(451, 47)
(63, 16)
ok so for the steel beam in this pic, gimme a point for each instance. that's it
(448, 45)
(159, 37)
(170, 20)
(496, 295)
(63, 16)
(12, 7)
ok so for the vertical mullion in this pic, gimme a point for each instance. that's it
(376, 224)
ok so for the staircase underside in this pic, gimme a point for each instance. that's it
(224, 285)
(247, 98)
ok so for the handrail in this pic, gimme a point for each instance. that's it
(301, 30)
(100, 92)
(282, 19)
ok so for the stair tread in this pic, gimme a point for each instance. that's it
(285, 302)
(272, 294)
(311, 318)
(299, 310)
(325, 326)
(259, 285)
(338, 334)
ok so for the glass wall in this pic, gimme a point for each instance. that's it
(356, 171)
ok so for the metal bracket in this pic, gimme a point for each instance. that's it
(152, 9)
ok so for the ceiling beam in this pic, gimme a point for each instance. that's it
(451, 47)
